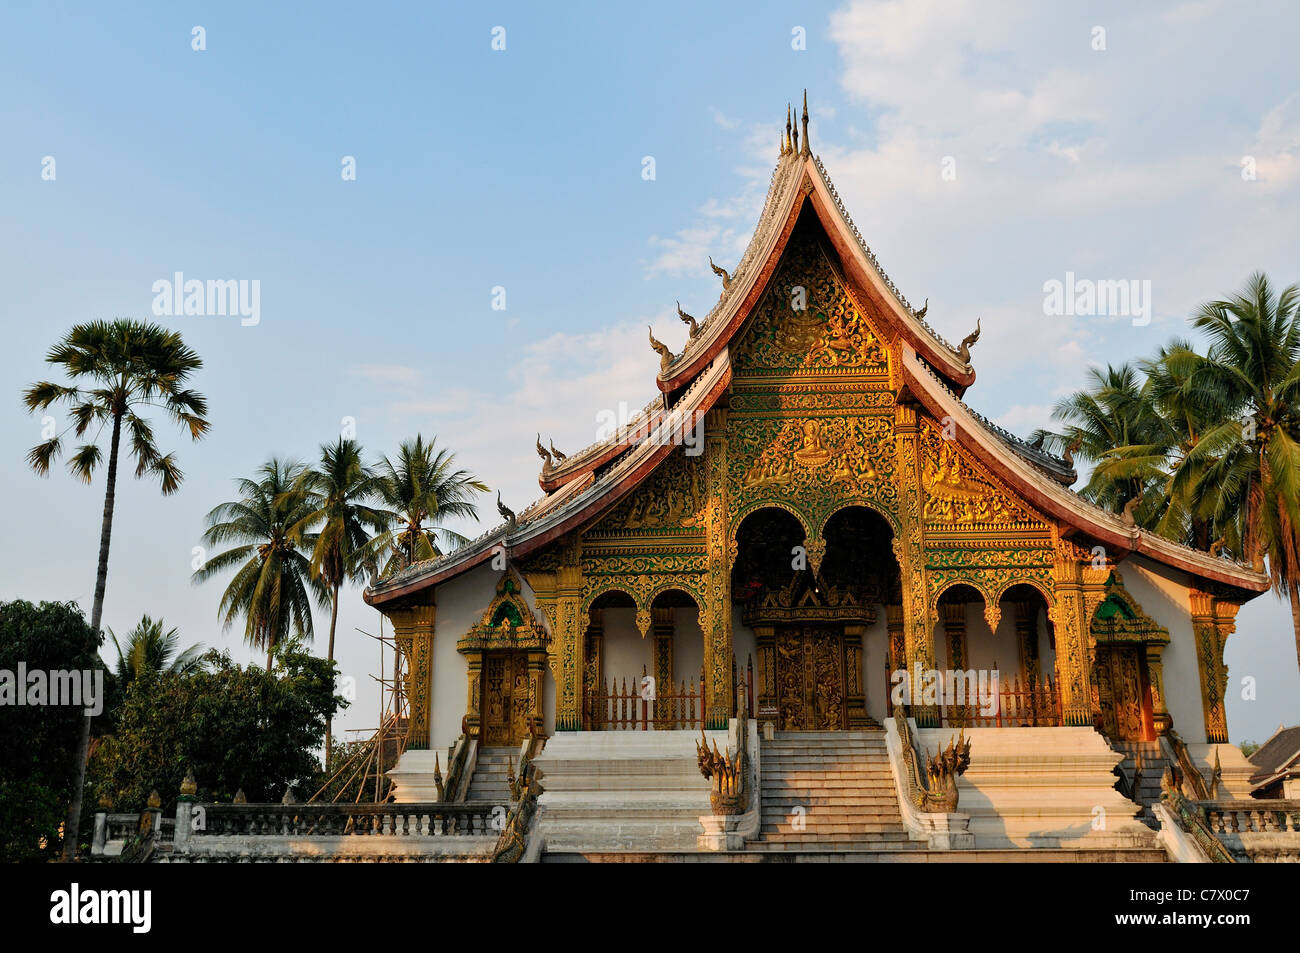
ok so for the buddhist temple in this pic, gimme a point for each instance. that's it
(810, 552)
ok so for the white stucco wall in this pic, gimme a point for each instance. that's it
(461, 602)
(1163, 595)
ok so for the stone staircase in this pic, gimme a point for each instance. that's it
(614, 791)
(1153, 767)
(829, 791)
(491, 771)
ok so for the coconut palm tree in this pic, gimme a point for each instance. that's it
(422, 489)
(121, 372)
(1111, 411)
(273, 582)
(337, 490)
(150, 648)
(1250, 487)
(1182, 413)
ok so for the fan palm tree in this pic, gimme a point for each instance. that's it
(1250, 487)
(150, 648)
(273, 582)
(120, 372)
(337, 489)
(423, 487)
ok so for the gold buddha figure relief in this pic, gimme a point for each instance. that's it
(813, 453)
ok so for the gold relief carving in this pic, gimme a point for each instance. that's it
(672, 498)
(1074, 648)
(413, 631)
(956, 492)
(1213, 620)
(716, 608)
(794, 462)
(807, 321)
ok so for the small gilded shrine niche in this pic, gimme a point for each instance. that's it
(506, 655)
(1127, 678)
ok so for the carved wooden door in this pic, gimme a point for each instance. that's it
(1122, 693)
(810, 690)
(505, 698)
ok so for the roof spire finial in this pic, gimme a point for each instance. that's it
(786, 148)
(804, 122)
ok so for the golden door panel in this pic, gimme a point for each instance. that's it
(1122, 693)
(505, 698)
(810, 679)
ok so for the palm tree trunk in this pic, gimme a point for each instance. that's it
(1294, 591)
(329, 722)
(72, 827)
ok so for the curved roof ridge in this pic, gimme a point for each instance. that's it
(783, 182)
(1035, 455)
(875, 262)
(1140, 540)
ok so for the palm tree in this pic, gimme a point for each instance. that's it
(273, 581)
(422, 486)
(120, 370)
(150, 648)
(1182, 413)
(1250, 487)
(336, 492)
(1111, 411)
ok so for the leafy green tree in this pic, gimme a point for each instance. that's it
(338, 489)
(39, 744)
(422, 489)
(121, 371)
(235, 727)
(273, 582)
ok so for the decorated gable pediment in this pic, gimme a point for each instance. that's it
(508, 622)
(959, 493)
(807, 323)
(672, 499)
(1119, 618)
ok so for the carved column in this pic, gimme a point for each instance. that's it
(662, 649)
(918, 622)
(536, 693)
(954, 632)
(567, 642)
(764, 643)
(1026, 612)
(593, 653)
(1212, 622)
(897, 643)
(716, 617)
(413, 631)
(1160, 718)
(1077, 595)
(855, 701)
(473, 714)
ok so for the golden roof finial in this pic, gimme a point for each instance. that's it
(794, 139)
(804, 122)
(786, 148)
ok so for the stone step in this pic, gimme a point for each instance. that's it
(811, 853)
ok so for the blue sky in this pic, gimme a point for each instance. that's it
(522, 169)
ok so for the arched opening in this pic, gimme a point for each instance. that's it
(812, 607)
(642, 668)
